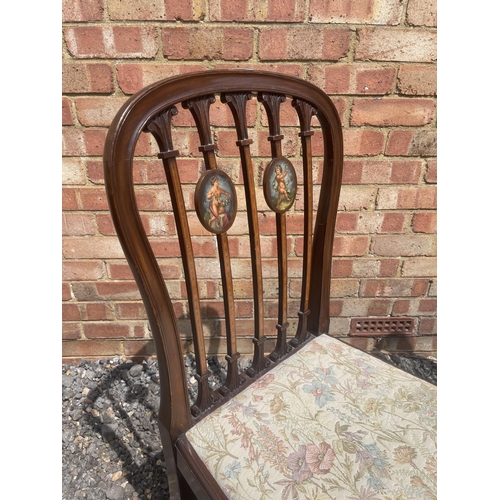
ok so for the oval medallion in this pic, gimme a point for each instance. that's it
(215, 201)
(280, 185)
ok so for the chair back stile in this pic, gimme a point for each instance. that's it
(152, 110)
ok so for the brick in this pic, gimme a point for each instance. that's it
(69, 199)
(427, 306)
(357, 307)
(98, 311)
(112, 41)
(93, 198)
(119, 270)
(263, 11)
(388, 12)
(89, 348)
(97, 111)
(391, 198)
(393, 223)
(139, 349)
(357, 197)
(95, 171)
(163, 247)
(401, 307)
(392, 287)
(82, 270)
(368, 171)
(79, 78)
(130, 310)
(73, 171)
(77, 224)
(366, 268)
(71, 331)
(373, 268)
(106, 330)
(346, 222)
(386, 44)
(352, 78)
(67, 117)
(85, 291)
(425, 222)
(422, 13)
(83, 142)
(70, 312)
(337, 79)
(132, 77)
(91, 248)
(403, 245)
(135, 10)
(389, 112)
(361, 142)
(105, 224)
(82, 10)
(431, 174)
(73, 142)
(339, 326)
(342, 268)
(389, 267)
(428, 326)
(417, 80)
(406, 172)
(350, 245)
(378, 80)
(412, 143)
(336, 307)
(117, 290)
(419, 267)
(344, 287)
(417, 345)
(66, 291)
(207, 43)
(187, 10)
(325, 44)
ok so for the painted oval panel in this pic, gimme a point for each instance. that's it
(280, 185)
(215, 201)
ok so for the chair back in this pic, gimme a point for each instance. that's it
(229, 198)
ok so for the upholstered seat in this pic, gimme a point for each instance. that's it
(329, 422)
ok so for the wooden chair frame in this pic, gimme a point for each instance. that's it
(151, 110)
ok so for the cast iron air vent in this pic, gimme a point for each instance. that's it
(381, 327)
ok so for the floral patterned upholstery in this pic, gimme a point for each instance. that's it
(328, 422)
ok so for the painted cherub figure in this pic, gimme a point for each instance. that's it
(217, 207)
(281, 184)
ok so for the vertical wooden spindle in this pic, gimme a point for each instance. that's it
(271, 103)
(305, 112)
(160, 128)
(237, 104)
(200, 108)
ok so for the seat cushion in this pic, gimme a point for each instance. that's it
(329, 422)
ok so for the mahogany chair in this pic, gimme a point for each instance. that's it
(314, 417)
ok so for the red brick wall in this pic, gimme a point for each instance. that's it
(377, 60)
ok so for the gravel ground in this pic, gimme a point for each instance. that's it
(110, 440)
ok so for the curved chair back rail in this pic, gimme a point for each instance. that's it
(151, 110)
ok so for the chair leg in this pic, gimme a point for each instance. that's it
(185, 490)
(174, 488)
